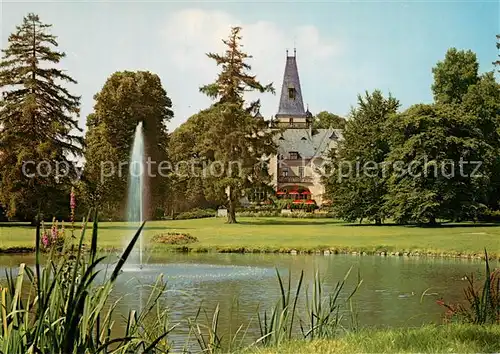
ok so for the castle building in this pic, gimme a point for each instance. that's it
(297, 168)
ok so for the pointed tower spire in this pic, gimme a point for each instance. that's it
(291, 104)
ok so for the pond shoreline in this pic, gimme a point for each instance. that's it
(291, 251)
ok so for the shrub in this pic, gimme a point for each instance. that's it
(482, 302)
(308, 215)
(53, 238)
(174, 238)
(259, 213)
(284, 203)
(196, 214)
(489, 216)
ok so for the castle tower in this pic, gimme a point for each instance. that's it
(291, 113)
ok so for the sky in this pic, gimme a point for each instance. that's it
(343, 48)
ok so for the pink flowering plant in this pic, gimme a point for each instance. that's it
(53, 237)
(72, 206)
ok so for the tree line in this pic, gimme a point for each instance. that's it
(428, 162)
(39, 122)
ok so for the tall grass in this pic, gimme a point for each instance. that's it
(323, 316)
(61, 308)
(324, 311)
(209, 336)
(277, 325)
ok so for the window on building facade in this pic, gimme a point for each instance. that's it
(294, 155)
(291, 93)
(284, 172)
(301, 171)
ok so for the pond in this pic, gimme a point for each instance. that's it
(390, 295)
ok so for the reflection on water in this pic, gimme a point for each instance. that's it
(391, 293)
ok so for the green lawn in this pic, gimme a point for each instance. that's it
(428, 339)
(282, 234)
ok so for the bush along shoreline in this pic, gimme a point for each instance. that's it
(190, 247)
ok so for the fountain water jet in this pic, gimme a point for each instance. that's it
(135, 205)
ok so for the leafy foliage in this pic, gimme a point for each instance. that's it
(430, 141)
(232, 138)
(188, 185)
(454, 75)
(38, 119)
(325, 120)
(196, 214)
(126, 99)
(174, 238)
(434, 161)
(359, 192)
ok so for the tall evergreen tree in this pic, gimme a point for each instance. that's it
(237, 138)
(38, 116)
(126, 99)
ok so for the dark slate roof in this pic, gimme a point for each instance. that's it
(307, 145)
(291, 107)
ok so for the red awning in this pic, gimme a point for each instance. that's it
(310, 201)
(298, 201)
(306, 193)
(281, 193)
(293, 192)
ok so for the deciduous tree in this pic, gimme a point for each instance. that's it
(454, 75)
(357, 185)
(438, 164)
(325, 120)
(126, 99)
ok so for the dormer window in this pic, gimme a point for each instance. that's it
(294, 155)
(291, 93)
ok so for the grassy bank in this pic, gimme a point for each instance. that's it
(285, 235)
(428, 339)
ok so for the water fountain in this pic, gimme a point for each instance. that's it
(135, 205)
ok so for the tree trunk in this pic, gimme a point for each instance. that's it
(231, 210)
(432, 220)
(378, 221)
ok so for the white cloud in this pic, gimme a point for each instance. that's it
(190, 33)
